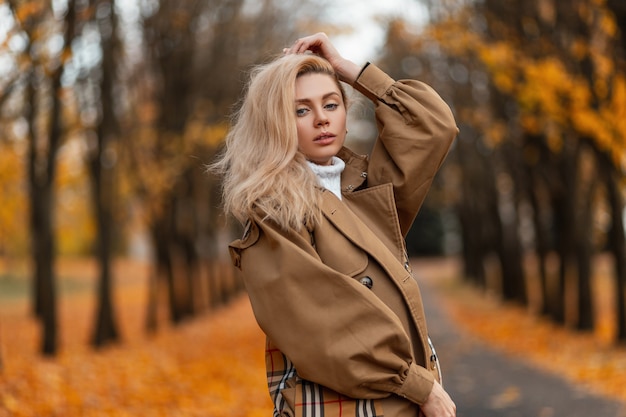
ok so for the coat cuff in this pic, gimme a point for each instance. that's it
(417, 385)
(373, 82)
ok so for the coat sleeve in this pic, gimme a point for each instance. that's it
(416, 129)
(336, 332)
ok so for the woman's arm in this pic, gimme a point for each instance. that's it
(416, 129)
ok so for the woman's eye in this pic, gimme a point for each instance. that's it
(301, 111)
(331, 106)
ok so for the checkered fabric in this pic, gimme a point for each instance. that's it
(311, 399)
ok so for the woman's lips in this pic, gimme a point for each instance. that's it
(324, 139)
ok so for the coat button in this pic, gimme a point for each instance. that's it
(367, 281)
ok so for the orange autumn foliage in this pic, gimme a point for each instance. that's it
(555, 97)
(212, 366)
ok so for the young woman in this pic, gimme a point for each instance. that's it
(323, 255)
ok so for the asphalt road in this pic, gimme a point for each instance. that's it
(486, 383)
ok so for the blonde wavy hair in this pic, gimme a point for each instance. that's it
(262, 168)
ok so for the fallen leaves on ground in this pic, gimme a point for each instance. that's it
(211, 366)
(590, 359)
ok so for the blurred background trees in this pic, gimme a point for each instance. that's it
(539, 92)
(111, 108)
(127, 101)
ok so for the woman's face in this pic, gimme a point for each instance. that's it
(320, 117)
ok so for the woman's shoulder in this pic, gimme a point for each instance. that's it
(259, 225)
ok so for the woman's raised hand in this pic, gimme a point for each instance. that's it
(319, 44)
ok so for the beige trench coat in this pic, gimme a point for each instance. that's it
(343, 315)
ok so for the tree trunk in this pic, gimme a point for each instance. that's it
(105, 329)
(564, 204)
(186, 227)
(162, 237)
(542, 240)
(584, 251)
(43, 261)
(557, 293)
(617, 243)
(42, 171)
(473, 210)
(513, 281)
(510, 246)
(38, 243)
(102, 165)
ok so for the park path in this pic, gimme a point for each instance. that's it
(486, 383)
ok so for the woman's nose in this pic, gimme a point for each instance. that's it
(321, 119)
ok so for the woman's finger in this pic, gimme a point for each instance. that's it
(313, 43)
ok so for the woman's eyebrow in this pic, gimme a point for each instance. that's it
(324, 97)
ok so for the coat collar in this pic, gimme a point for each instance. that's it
(355, 172)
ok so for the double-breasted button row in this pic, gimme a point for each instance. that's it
(367, 281)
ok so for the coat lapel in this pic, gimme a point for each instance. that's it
(360, 234)
(342, 218)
